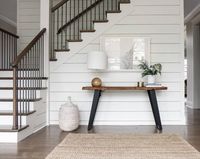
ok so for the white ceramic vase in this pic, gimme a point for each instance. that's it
(151, 79)
(69, 116)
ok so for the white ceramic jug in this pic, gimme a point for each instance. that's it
(69, 116)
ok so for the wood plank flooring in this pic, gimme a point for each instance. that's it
(40, 144)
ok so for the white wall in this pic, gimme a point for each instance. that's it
(8, 15)
(160, 20)
(8, 8)
(7, 26)
(190, 5)
(28, 21)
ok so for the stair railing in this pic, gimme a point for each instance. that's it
(70, 17)
(28, 72)
(8, 49)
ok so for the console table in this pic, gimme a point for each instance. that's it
(151, 93)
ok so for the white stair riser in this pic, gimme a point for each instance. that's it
(6, 74)
(8, 137)
(24, 93)
(125, 6)
(9, 83)
(111, 17)
(86, 34)
(8, 106)
(73, 45)
(22, 73)
(8, 120)
(98, 26)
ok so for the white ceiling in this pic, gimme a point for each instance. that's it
(8, 8)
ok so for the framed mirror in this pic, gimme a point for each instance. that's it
(125, 52)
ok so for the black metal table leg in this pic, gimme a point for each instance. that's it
(155, 109)
(97, 94)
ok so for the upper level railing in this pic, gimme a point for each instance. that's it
(71, 17)
(28, 72)
(8, 49)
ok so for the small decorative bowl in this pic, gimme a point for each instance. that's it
(96, 82)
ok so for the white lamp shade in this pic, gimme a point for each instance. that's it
(97, 60)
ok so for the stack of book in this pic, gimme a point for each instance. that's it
(153, 85)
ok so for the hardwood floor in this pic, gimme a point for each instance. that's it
(41, 143)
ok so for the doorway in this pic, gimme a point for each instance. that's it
(192, 63)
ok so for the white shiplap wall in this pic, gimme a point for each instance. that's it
(160, 20)
(28, 21)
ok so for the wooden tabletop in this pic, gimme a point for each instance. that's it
(103, 88)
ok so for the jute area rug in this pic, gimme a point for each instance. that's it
(123, 146)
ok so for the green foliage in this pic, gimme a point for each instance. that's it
(150, 70)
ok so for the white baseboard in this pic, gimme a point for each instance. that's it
(190, 105)
(131, 123)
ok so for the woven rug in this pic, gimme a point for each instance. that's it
(121, 146)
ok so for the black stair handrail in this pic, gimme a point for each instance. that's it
(79, 15)
(28, 68)
(28, 47)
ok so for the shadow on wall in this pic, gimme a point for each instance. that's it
(6, 26)
(8, 15)
(189, 5)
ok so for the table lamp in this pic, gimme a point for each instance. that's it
(97, 60)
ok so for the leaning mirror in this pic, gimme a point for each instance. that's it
(125, 52)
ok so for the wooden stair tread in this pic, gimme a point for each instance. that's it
(8, 128)
(113, 11)
(31, 88)
(5, 113)
(87, 31)
(80, 40)
(61, 50)
(127, 1)
(21, 100)
(51, 59)
(30, 78)
(100, 21)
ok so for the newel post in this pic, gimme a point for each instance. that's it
(15, 98)
(45, 23)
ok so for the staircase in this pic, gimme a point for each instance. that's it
(71, 18)
(22, 76)
(22, 86)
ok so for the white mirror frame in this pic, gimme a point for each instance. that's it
(114, 64)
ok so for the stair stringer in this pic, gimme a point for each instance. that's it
(35, 122)
(126, 9)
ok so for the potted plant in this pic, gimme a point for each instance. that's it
(150, 71)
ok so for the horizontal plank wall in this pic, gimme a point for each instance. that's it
(160, 20)
(28, 21)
